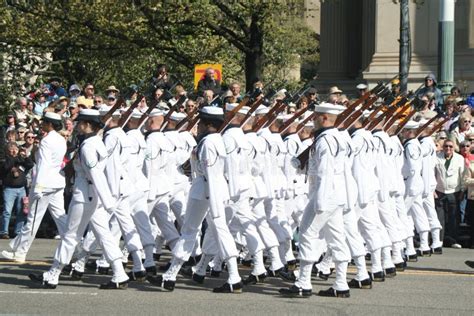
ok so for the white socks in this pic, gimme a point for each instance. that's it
(275, 259)
(149, 261)
(410, 251)
(387, 258)
(424, 245)
(362, 273)
(435, 236)
(234, 276)
(304, 279)
(340, 284)
(137, 261)
(201, 267)
(119, 272)
(173, 270)
(258, 265)
(376, 258)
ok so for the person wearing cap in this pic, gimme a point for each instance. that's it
(428, 150)
(335, 90)
(206, 197)
(74, 92)
(274, 180)
(411, 171)
(158, 171)
(118, 179)
(138, 200)
(111, 90)
(183, 143)
(238, 175)
(323, 216)
(386, 203)
(395, 87)
(431, 86)
(312, 96)
(47, 188)
(56, 87)
(40, 104)
(449, 171)
(361, 89)
(92, 202)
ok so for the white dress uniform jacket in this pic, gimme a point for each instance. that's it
(412, 168)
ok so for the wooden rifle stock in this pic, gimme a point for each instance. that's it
(116, 106)
(405, 121)
(172, 110)
(372, 117)
(398, 114)
(372, 123)
(252, 109)
(230, 115)
(355, 115)
(288, 123)
(124, 118)
(147, 112)
(420, 129)
(306, 120)
(438, 126)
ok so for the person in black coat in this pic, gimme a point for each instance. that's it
(13, 172)
(209, 83)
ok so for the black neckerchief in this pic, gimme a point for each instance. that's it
(201, 136)
(287, 135)
(321, 130)
(407, 140)
(422, 137)
(148, 133)
(110, 128)
(376, 131)
(352, 130)
(231, 126)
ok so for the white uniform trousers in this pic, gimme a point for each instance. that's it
(160, 210)
(79, 215)
(239, 213)
(414, 205)
(196, 211)
(177, 201)
(389, 218)
(370, 227)
(270, 206)
(266, 233)
(353, 236)
(52, 200)
(429, 207)
(402, 213)
(141, 218)
(278, 221)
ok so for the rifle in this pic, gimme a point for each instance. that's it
(288, 123)
(124, 118)
(270, 116)
(173, 109)
(252, 109)
(401, 111)
(353, 117)
(116, 106)
(421, 128)
(230, 115)
(372, 122)
(405, 121)
(438, 126)
(147, 112)
(306, 120)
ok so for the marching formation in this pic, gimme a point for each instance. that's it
(242, 184)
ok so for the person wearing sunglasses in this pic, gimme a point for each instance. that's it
(449, 171)
(461, 132)
(431, 86)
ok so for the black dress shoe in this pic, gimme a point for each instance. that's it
(215, 274)
(229, 288)
(156, 256)
(412, 258)
(321, 275)
(91, 265)
(424, 253)
(188, 271)
(334, 293)
(67, 270)
(437, 251)
(76, 275)
(150, 270)
(368, 256)
(165, 267)
(377, 276)
(255, 279)
(114, 285)
(401, 266)
(364, 284)
(198, 278)
(390, 272)
(103, 270)
(285, 275)
(158, 281)
(139, 276)
(246, 263)
(38, 278)
(295, 291)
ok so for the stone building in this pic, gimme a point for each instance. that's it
(359, 41)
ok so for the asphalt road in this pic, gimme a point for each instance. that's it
(437, 285)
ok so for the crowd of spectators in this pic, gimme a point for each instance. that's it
(21, 134)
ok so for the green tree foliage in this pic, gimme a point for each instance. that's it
(121, 42)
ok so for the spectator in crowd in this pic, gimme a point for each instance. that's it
(10, 123)
(161, 79)
(157, 94)
(142, 106)
(335, 90)
(13, 172)
(74, 92)
(98, 102)
(333, 98)
(73, 111)
(30, 106)
(41, 104)
(291, 108)
(311, 96)
(449, 171)
(463, 129)
(343, 100)
(190, 106)
(11, 136)
(426, 112)
(469, 210)
(21, 111)
(88, 95)
(208, 98)
(450, 111)
(431, 86)
(20, 132)
(395, 85)
(209, 82)
(29, 144)
(111, 90)
(361, 89)
(56, 89)
(465, 150)
(303, 103)
(455, 92)
(235, 90)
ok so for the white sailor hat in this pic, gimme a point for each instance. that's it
(361, 86)
(52, 117)
(177, 116)
(163, 106)
(155, 113)
(424, 121)
(136, 114)
(280, 93)
(329, 108)
(411, 125)
(104, 109)
(211, 113)
(89, 115)
(231, 106)
(367, 113)
(286, 117)
(261, 110)
(309, 124)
